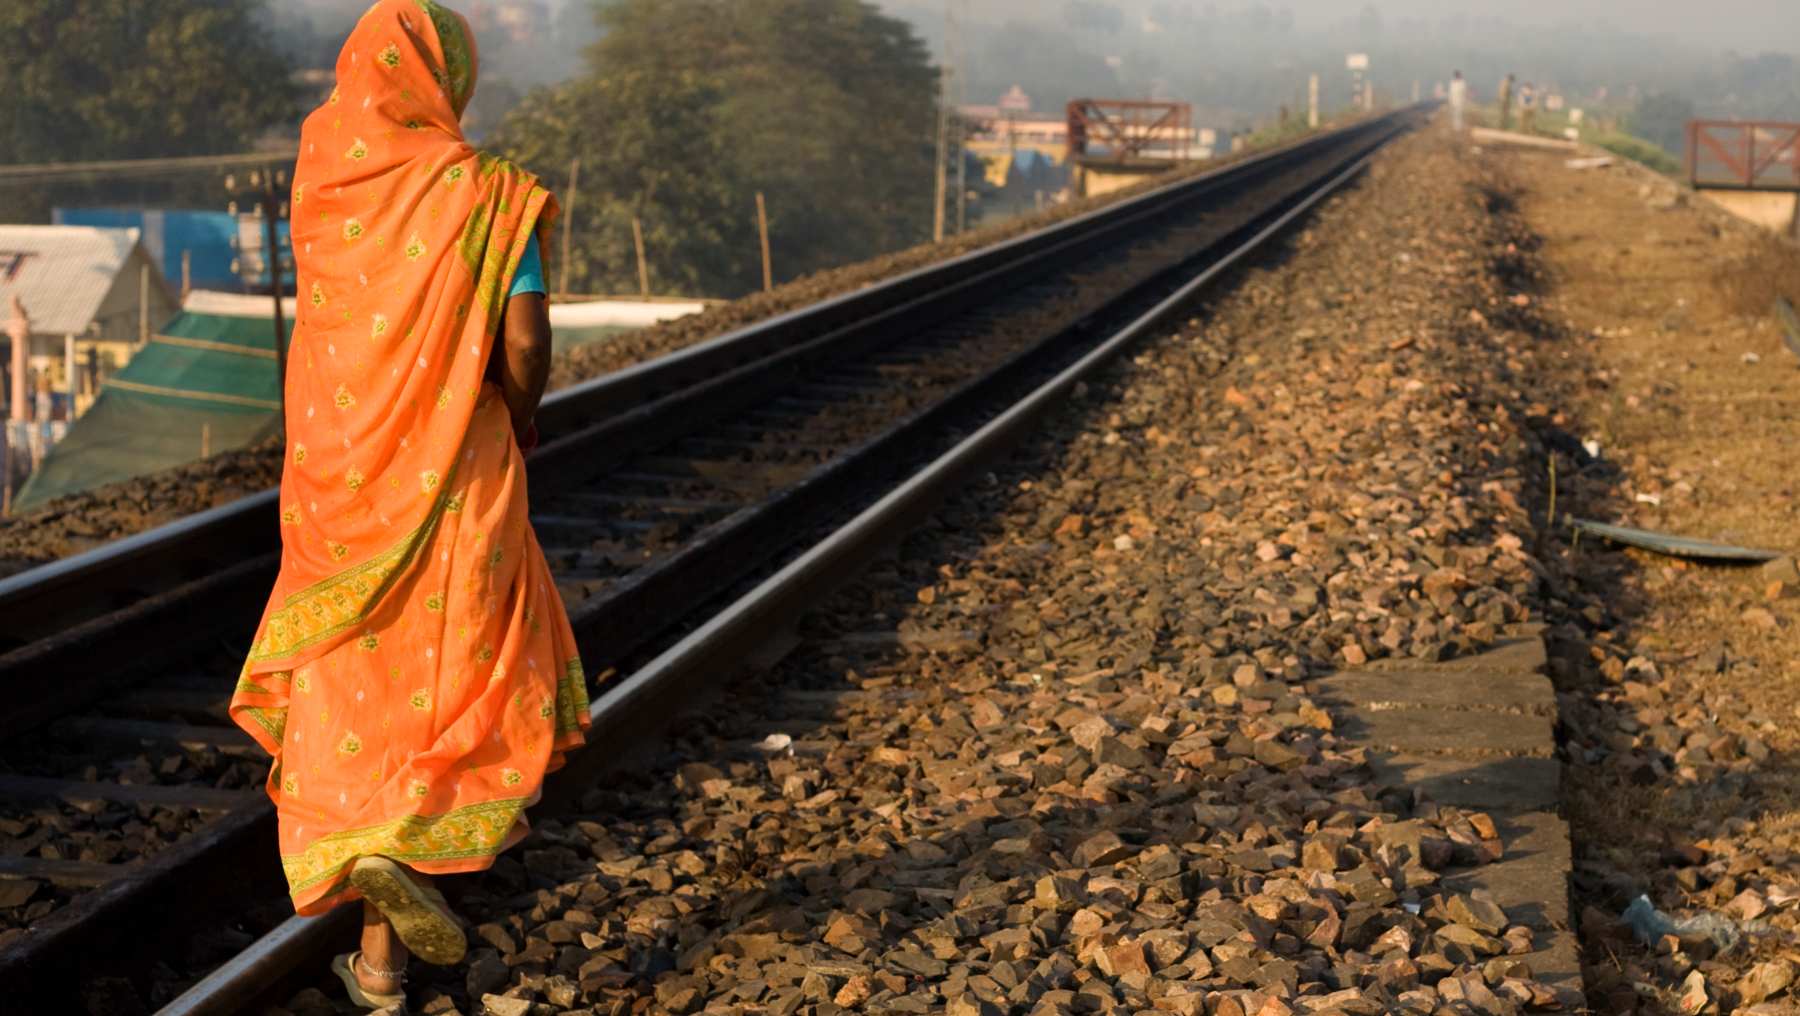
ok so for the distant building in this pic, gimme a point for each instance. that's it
(206, 382)
(207, 242)
(90, 294)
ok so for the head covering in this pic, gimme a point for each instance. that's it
(415, 674)
(405, 239)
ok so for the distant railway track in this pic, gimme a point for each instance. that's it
(662, 492)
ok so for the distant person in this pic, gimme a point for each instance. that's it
(1527, 107)
(414, 673)
(1459, 98)
(45, 402)
(1506, 99)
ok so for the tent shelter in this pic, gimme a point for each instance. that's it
(204, 383)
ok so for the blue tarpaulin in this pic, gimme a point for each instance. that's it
(206, 236)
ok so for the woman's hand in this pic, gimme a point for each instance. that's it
(525, 359)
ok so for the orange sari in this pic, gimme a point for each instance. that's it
(414, 674)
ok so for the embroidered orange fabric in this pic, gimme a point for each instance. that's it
(414, 674)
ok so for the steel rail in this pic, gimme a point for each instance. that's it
(59, 946)
(638, 705)
(223, 555)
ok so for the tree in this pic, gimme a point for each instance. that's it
(690, 107)
(123, 79)
(118, 79)
(1662, 119)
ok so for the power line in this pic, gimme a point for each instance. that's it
(45, 172)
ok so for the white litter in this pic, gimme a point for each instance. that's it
(775, 744)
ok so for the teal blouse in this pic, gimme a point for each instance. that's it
(530, 276)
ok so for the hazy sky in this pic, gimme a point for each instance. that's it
(1752, 25)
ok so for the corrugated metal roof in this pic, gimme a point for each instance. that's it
(61, 273)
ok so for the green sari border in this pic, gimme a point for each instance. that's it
(394, 560)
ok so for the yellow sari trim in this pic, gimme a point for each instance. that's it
(474, 831)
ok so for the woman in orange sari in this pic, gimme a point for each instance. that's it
(414, 675)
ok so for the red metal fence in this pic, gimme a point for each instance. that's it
(1759, 155)
(1130, 128)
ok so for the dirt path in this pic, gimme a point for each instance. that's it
(1682, 698)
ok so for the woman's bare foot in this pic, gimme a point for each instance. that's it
(381, 969)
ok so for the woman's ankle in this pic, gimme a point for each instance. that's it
(376, 980)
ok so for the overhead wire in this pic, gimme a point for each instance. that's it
(48, 172)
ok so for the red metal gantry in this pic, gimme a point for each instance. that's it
(1761, 155)
(1130, 129)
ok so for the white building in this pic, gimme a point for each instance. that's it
(92, 295)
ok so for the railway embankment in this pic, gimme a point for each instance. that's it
(1094, 740)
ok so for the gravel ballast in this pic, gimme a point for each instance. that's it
(85, 520)
(1073, 750)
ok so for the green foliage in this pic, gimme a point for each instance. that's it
(119, 79)
(1638, 150)
(1661, 119)
(691, 107)
(1279, 132)
(122, 79)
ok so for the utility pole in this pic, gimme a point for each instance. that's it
(962, 157)
(18, 427)
(943, 127)
(272, 257)
(568, 214)
(1312, 102)
(18, 329)
(144, 302)
(261, 190)
(762, 227)
(943, 136)
(637, 240)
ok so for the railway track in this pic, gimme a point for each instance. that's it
(668, 498)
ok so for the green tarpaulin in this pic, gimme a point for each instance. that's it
(205, 381)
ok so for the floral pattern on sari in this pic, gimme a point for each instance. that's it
(414, 674)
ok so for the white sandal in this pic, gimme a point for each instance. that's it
(345, 967)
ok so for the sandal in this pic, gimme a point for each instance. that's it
(418, 912)
(345, 967)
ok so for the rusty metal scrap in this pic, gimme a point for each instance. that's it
(1675, 546)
